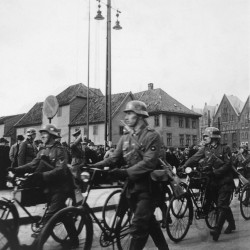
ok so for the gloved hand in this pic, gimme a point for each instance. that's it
(36, 179)
(13, 170)
(119, 174)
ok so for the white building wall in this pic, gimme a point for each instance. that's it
(61, 122)
(1, 130)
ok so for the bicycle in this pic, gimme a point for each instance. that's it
(24, 196)
(181, 209)
(84, 216)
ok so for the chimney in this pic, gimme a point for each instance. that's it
(150, 86)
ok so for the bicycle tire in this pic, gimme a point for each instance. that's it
(180, 211)
(212, 216)
(245, 202)
(8, 240)
(84, 227)
(122, 230)
(109, 208)
(9, 213)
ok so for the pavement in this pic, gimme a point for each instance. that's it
(197, 238)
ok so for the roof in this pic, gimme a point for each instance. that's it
(197, 110)
(33, 117)
(236, 103)
(72, 91)
(9, 129)
(158, 101)
(97, 109)
(211, 109)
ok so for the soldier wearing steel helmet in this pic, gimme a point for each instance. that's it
(139, 148)
(217, 158)
(27, 150)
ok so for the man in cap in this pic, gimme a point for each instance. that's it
(217, 159)
(14, 151)
(4, 162)
(140, 148)
(50, 171)
(27, 150)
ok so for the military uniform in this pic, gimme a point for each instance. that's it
(221, 184)
(141, 157)
(56, 176)
(27, 152)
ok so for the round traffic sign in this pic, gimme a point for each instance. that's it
(50, 106)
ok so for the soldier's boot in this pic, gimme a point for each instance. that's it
(158, 238)
(231, 222)
(137, 243)
(217, 230)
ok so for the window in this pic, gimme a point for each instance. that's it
(157, 120)
(187, 123)
(232, 117)
(181, 125)
(59, 112)
(194, 123)
(95, 130)
(242, 135)
(168, 121)
(169, 139)
(121, 130)
(225, 114)
(181, 140)
(242, 125)
(85, 130)
(246, 135)
(194, 139)
(225, 137)
(234, 137)
(188, 140)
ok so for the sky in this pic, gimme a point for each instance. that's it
(195, 50)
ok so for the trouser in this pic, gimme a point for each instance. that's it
(144, 222)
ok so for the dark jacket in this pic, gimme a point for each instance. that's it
(14, 154)
(220, 160)
(27, 152)
(56, 174)
(141, 158)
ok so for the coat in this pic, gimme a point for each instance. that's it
(27, 152)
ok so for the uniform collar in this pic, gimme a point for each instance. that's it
(137, 130)
(213, 146)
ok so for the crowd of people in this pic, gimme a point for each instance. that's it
(138, 151)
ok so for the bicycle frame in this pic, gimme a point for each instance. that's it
(108, 234)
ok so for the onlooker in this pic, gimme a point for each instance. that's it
(4, 162)
(27, 150)
(14, 151)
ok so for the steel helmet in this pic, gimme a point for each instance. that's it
(30, 131)
(138, 107)
(51, 129)
(212, 132)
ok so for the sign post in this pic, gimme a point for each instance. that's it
(50, 107)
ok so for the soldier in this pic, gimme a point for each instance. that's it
(14, 151)
(218, 159)
(242, 163)
(50, 171)
(27, 150)
(140, 148)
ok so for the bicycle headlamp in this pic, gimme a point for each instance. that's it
(85, 176)
(188, 170)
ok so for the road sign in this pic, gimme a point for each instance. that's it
(50, 106)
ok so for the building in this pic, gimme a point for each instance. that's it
(7, 129)
(178, 125)
(244, 124)
(227, 120)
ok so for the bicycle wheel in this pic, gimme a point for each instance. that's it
(9, 213)
(211, 218)
(110, 207)
(180, 212)
(55, 235)
(122, 230)
(245, 202)
(8, 240)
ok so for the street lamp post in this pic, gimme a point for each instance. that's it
(108, 108)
